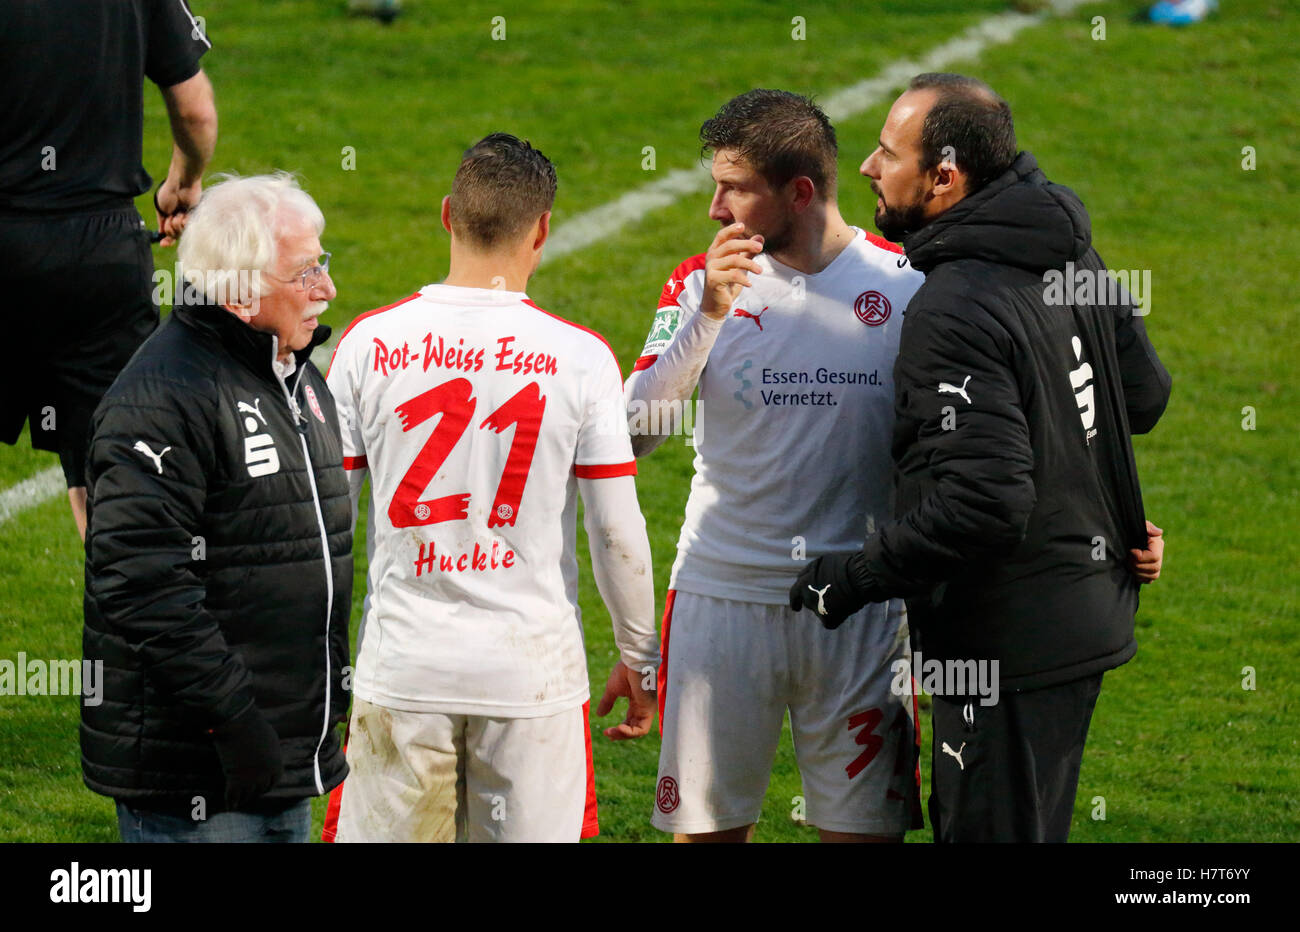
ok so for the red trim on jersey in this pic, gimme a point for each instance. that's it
(645, 362)
(562, 320)
(590, 816)
(882, 242)
(358, 319)
(671, 293)
(354, 462)
(665, 628)
(605, 470)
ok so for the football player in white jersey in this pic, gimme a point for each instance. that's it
(788, 326)
(479, 417)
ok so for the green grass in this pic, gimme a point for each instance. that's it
(1147, 126)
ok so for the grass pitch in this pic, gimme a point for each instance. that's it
(1148, 125)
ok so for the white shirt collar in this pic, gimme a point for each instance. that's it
(286, 368)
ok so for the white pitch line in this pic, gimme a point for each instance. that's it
(592, 226)
(31, 491)
(996, 30)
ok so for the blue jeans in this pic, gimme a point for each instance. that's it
(288, 825)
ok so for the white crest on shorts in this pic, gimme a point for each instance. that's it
(144, 448)
(821, 598)
(957, 753)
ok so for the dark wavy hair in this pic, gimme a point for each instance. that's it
(780, 134)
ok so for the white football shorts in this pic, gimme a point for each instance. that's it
(426, 776)
(731, 670)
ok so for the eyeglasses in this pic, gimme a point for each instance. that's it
(310, 277)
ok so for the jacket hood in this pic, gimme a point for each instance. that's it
(1019, 219)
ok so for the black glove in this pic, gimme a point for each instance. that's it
(249, 750)
(834, 587)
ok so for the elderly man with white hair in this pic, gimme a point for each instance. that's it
(219, 542)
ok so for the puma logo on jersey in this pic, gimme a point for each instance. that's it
(821, 598)
(260, 454)
(957, 753)
(1081, 382)
(756, 318)
(954, 390)
(143, 447)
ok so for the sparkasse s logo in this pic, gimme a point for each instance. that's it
(1081, 382)
(260, 455)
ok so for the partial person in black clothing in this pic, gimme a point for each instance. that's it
(76, 288)
(1019, 534)
(219, 543)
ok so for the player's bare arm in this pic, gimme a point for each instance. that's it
(193, 115)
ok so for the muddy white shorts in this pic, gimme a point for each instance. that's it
(732, 669)
(425, 776)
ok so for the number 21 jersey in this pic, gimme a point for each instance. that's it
(475, 412)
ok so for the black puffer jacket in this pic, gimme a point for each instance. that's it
(1018, 494)
(218, 564)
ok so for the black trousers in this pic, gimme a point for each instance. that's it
(1009, 772)
(76, 297)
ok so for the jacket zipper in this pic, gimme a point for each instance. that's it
(296, 412)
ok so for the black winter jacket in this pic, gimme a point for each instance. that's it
(218, 564)
(1017, 490)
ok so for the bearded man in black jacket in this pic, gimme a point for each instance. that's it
(1020, 540)
(219, 543)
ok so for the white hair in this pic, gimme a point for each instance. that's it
(230, 237)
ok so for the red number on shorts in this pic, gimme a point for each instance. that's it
(867, 737)
(873, 742)
(455, 402)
